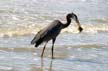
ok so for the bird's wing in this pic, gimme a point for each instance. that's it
(37, 37)
(44, 31)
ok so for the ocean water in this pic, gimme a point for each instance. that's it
(85, 51)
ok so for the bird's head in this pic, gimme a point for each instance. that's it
(74, 17)
(69, 16)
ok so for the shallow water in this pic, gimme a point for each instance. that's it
(76, 58)
(81, 52)
(86, 51)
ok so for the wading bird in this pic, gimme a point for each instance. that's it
(52, 31)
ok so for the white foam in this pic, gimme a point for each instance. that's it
(17, 57)
(35, 59)
(33, 29)
(14, 17)
(72, 56)
(6, 68)
(34, 53)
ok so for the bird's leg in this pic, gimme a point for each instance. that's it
(43, 49)
(53, 41)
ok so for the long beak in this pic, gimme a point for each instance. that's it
(79, 26)
(78, 23)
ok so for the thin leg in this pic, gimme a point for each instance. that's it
(42, 65)
(53, 47)
(51, 65)
(43, 49)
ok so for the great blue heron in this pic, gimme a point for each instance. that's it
(51, 31)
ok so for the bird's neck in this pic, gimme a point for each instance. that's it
(67, 23)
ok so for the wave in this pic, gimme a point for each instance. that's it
(32, 49)
(33, 29)
(7, 68)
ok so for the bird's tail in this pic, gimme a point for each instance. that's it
(33, 41)
(38, 42)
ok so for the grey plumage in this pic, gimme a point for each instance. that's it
(51, 31)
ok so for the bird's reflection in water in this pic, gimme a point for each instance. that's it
(50, 66)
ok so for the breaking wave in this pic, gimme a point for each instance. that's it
(33, 29)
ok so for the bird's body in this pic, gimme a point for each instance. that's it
(51, 32)
(47, 33)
